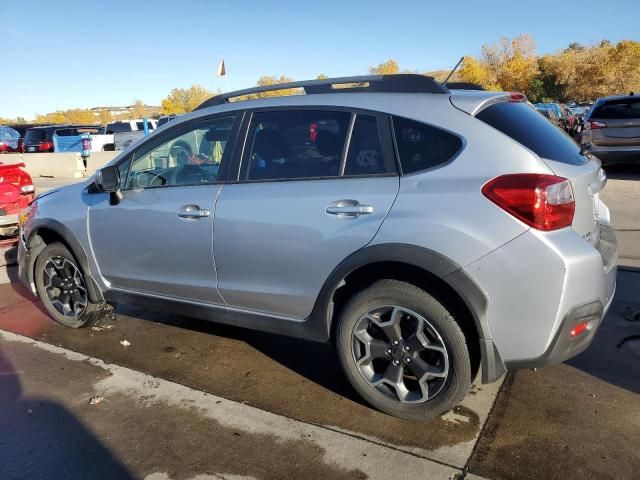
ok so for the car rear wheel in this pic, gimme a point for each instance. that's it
(62, 288)
(403, 351)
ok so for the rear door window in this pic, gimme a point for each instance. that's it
(422, 146)
(618, 109)
(295, 144)
(524, 125)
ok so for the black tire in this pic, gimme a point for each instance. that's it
(453, 387)
(82, 316)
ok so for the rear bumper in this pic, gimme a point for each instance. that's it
(609, 155)
(540, 286)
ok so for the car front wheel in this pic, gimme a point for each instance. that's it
(403, 351)
(62, 288)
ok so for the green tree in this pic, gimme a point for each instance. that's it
(182, 100)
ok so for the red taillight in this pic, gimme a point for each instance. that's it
(544, 202)
(45, 146)
(596, 125)
(3, 147)
(517, 97)
(579, 328)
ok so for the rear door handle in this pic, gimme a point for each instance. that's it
(193, 212)
(348, 208)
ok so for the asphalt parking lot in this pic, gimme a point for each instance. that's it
(190, 399)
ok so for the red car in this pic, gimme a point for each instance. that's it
(16, 193)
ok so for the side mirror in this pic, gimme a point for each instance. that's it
(107, 180)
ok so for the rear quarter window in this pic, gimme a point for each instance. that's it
(422, 146)
(527, 127)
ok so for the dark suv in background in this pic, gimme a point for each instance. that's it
(40, 139)
(612, 129)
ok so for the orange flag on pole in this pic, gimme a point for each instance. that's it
(222, 71)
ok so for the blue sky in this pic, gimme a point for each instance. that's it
(63, 54)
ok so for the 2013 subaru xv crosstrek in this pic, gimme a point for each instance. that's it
(428, 233)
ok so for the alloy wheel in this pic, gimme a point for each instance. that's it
(64, 286)
(400, 354)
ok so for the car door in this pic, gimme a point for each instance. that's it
(159, 239)
(313, 187)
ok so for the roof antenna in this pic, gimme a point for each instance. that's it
(444, 84)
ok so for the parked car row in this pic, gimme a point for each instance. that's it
(47, 138)
(565, 117)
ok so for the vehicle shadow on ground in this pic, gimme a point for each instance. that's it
(623, 172)
(614, 355)
(317, 362)
(39, 438)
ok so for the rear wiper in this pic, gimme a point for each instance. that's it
(585, 147)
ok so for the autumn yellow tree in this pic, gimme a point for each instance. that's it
(475, 71)
(512, 62)
(182, 100)
(390, 67)
(139, 110)
(266, 81)
(105, 117)
(594, 71)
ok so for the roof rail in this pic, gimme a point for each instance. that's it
(464, 86)
(400, 83)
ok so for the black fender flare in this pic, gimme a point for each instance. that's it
(36, 244)
(473, 295)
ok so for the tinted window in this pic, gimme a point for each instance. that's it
(365, 152)
(118, 127)
(66, 132)
(296, 144)
(35, 135)
(422, 146)
(618, 109)
(192, 157)
(140, 125)
(526, 126)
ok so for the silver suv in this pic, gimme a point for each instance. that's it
(429, 234)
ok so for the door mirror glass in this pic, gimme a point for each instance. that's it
(108, 179)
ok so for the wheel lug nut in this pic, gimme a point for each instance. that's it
(407, 360)
(406, 348)
(395, 342)
(388, 350)
(396, 363)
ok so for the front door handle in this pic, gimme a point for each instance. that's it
(192, 212)
(349, 208)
